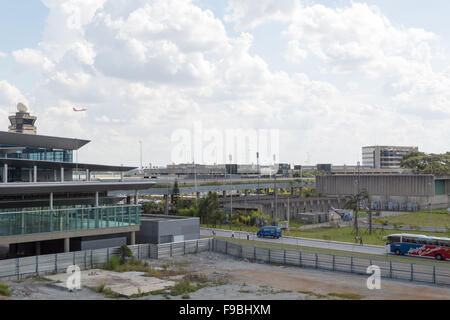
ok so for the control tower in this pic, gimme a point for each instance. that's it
(22, 121)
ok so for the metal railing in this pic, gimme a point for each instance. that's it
(68, 219)
(435, 274)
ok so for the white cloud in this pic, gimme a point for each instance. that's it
(252, 13)
(31, 60)
(146, 68)
(3, 54)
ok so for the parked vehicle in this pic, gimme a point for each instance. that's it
(269, 231)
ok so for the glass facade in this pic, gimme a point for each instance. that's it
(43, 154)
(69, 219)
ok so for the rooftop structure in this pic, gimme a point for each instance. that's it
(22, 121)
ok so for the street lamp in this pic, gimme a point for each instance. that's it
(140, 156)
(276, 190)
(431, 207)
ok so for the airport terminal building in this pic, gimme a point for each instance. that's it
(43, 210)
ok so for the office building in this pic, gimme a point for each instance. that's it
(384, 157)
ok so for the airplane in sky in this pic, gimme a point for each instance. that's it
(78, 110)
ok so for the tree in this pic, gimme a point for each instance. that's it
(420, 162)
(353, 202)
(124, 253)
(175, 196)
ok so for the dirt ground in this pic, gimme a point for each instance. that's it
(233, 279)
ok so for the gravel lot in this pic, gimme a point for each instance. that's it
(231, 279)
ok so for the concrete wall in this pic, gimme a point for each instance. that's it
(399, 189)
(103, 243)
(380, 185)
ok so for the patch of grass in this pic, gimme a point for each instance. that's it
(106, 291)
(185, 296)
(43, 279)
(136, 265)
(351, 296)
(158, 292)
(197, 278)
(440, 217)
(4, 290)
(184, 286)
(140, 294)
(317, 295)
(245, 291)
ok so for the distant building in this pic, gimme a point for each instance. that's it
(22, 121)
(384, 157)
(393, 192)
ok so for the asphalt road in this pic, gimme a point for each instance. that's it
(369, 249)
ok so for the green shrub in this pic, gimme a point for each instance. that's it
(4, 290)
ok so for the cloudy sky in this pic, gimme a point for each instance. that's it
(331, 76)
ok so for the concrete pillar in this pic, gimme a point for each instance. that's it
(88, 175)
(38, 248)
(136, 197)
(34, 173)
(67, 245)
(30, 175)
(5, 173)
(96, 199)
(12, 250)
(51, 200)
(62, 174)
(132, 238)
(55, 175)
(121, 176)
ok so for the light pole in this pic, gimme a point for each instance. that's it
(231, 185)
(195, 179)
(276, 190)
(259, 173)
(140, 156)
(431, 207)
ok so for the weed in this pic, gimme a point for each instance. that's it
(184, 286)
(185, 296)
(4, 290)
(351, 296)
(310, 293)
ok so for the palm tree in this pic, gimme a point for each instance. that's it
(353, 202)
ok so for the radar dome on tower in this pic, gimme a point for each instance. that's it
(21, 107)
(22, 121)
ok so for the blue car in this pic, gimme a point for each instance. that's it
(269, 231)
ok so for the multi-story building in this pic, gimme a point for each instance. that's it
(42, 210)
(384, 157)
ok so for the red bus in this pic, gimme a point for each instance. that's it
(418, 245)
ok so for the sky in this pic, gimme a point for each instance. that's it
(323, 78)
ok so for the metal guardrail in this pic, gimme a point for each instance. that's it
(389, 269)
(89, 259)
